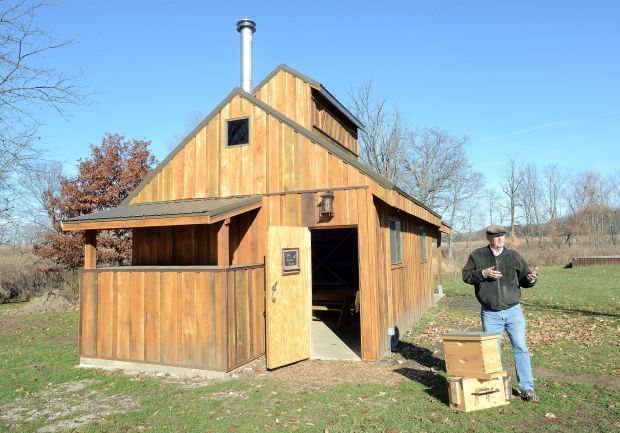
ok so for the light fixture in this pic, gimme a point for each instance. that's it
(326, 207)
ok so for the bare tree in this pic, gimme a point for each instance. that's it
(590, 213)
(383, 140)
(435, 160)
(40, 184)
(464, 188)
(529, 201)
(510, 187)
(496, 211)
(27, 86)
(553, 185)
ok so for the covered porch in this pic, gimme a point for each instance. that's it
(181, 302)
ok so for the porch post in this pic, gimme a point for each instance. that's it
(439, 270)
(223, 244)
(90, 249)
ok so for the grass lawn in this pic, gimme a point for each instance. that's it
(573, 333)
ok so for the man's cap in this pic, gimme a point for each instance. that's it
(495, 229)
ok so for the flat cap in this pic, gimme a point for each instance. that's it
(495, 229)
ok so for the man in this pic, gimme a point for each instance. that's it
(498, 274)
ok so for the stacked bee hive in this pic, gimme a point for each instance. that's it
(475, 376)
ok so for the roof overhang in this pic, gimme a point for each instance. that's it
(165, 213)
(445, 228)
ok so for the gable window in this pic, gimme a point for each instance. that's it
(396, 248)
(238, 132)
(423, 255)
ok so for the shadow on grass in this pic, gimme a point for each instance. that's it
(569, 310)
(435, 384)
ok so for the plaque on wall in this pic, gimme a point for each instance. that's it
(290, 259)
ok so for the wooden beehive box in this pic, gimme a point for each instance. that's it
(472, 354)
(467, 394)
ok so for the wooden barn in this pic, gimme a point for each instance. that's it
(261, 213)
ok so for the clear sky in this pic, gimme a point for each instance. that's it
(536, 79)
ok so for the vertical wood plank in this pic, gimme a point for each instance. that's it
(136, 316)
(104, 314)
(257, 183)
(88, 314)
(178, 167)
(168, 321)
(212, 162)
(205, 323)
(273, 154)
(152, 300)
(224, 152)
(221, 323)
(242, 318)
(189, 318)
(123, 315)
(189, 169)
(201, 164)
(231, 322)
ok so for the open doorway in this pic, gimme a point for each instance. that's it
(335, 294)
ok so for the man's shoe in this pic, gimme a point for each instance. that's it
(529, 395)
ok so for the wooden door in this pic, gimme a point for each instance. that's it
(288, 295)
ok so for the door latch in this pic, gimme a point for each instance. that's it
(273, 291)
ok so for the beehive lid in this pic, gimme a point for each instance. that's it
(470, 336)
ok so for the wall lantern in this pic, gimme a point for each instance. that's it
(326, 207)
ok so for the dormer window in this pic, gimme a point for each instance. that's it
(238, 132)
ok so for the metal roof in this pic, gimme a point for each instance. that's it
(212, 207)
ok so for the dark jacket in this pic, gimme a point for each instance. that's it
(505, 292)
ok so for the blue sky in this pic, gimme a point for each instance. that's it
(539, 80)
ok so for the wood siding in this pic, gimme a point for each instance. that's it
(289, 95)
(291, 168)
(277, 159)
(409, 285)
(191, 318)
(328, 123)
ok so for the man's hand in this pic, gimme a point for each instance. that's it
(533, 275)
(491, 273)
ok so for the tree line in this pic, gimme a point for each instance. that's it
(544, 205)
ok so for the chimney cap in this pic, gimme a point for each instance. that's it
(246, 22)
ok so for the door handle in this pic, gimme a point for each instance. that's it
(273, 291)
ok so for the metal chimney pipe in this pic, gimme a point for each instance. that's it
(246, 27)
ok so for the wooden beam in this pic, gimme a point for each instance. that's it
(439, 261)
(129, 224)
(223, 244)
(90, 249)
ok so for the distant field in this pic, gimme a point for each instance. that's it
(573, 330)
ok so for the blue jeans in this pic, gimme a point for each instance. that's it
(512, 321)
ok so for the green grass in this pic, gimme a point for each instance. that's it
(573, 316)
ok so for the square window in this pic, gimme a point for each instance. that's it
(238, 132)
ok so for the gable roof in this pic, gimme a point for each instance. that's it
(330, 147)
(315, 85)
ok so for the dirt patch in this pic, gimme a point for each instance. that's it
(50, 302)
(317, 374)
(66, 406)
(600, 380)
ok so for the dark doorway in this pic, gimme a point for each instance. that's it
(335, 291)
